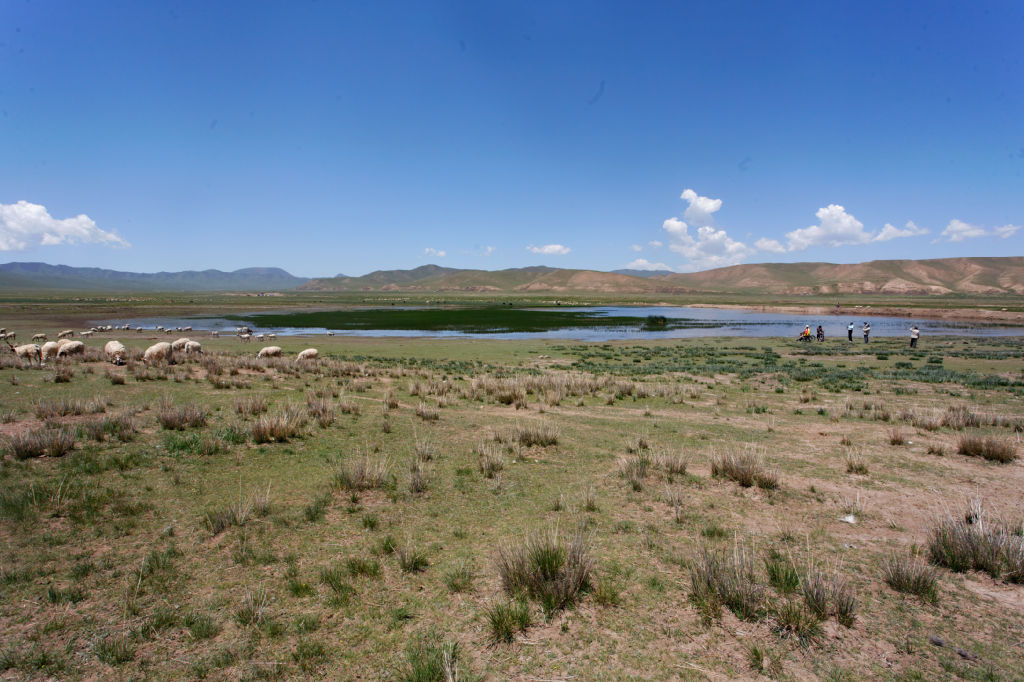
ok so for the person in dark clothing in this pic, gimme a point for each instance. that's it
(820, 335)
(915, 334)
(849, 331)
(867, 331)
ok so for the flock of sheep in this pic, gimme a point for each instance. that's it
(117, 353)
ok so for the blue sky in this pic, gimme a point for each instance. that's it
(327, 137)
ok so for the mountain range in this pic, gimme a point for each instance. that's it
(907, 277)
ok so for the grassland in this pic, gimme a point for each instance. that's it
(516, 510)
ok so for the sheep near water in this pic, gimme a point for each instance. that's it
(116, 352)
(179, 344)
(269, 352)
(158, 352)
(71, 348)
(39, 337)
(29, 351)
(193, 348)
(66, 334)
(49, 350)
(308, 354)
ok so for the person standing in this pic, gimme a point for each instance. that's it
(820, 335)
(915, 334)
(849, 331)
(867, 331)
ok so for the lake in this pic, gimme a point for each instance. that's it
(598, 323)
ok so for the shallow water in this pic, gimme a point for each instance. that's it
(707, 322)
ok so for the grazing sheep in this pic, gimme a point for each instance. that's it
(71, 348)
(180, 343)
(138, 330)
(29, 351)
(271, 336)
(10, 336)
(116, 352)
(308, 354)
(193, 348)
(186, 329)
(245, 338)
(49, 350)
(158, 352)
(330, 333)
(66, 334)
(269, 352)
(260, 337)
(160, 328)
(88, 332)
(39, 337)
(215, 333)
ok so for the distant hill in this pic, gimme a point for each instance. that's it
(64, 277)
(907, 277)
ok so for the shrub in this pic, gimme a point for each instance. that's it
(990, 448)
(911, 576)
(507, 619)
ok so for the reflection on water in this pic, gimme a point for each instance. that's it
(706, 322)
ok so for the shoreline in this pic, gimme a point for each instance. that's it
(967, 314)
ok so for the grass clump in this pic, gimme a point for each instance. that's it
(115, 650)
(507, 619)
(39, 442)
(634, 469)
(536, 434)
(746, 468)
(253, 609)
(201, 625)
(795, 619)
(180, 417)
(727, 579)
(459, 578)
(277, 428)
(431, 661)
(971, 543)
(988, 447)
(363, 474)
(411, 559)
(911, 576)
(782, 574)
(552, 568)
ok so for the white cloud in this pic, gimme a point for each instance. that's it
(891, 232)
(700, 209)
(711, 248)
(644, 264)
(1005, 231)
(24, 225)
(637, 247)
(769, 245)
(436, 253)
(958, 230)
(836, 228)
(488, 250)
(549, 249)
(655, 244)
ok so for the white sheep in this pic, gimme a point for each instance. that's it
(116, 352)
(159, 327)
(308, 354)
(29, 351)
(245, 338)
(269, 352)
(186, 329)
(158, 352)
(330, 333)
(179, 344)
(138, 330)
(260, 337)
(10, 336)
(271, 336)
(71, 348)
(88, 332)
(215, 333)
(193, 348)
(49, 350)
(39, 337)
(66, 334)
